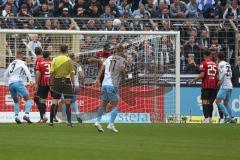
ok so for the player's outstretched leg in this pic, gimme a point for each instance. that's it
(38, 104)
(113, 116)
(97, 124)
(16, 111)
(52, 114)
(74, 106)
(44, 118)
(68, 113)
(28, 106)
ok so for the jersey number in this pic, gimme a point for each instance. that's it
(112, 65)
(212, 71)
(229, 72)
(13, 67)
(47, 69)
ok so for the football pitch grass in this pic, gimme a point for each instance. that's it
(133, 142)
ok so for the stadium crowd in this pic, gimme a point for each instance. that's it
(135, 15)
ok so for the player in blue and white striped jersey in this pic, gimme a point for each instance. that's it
(15, 74)
(225, 91)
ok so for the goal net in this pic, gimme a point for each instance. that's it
(150, 92)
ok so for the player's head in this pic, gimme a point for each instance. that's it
(38, 51)
(20, 55)
(120, 49)
(72, 56)
(64, 48)
(46, 54)
(106, 48)
(221, 56)
(207, 53)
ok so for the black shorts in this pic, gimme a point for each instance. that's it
(62, 86)
(209, 94)
(43, 91)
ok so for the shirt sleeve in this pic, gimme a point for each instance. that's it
(202, 67)
(222, 71)
(52, 66)
(26, 70)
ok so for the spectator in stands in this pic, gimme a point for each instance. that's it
(166, 26)
(148, 23)
(97, 3)
(48, 24)
(150, 6)
(14, 6)
(236, 74)
(44, 11)
(109, 25)
(23, 23)
(161, 12)
(87, 43)
(233, 10)
(34, 42)
(79, 4)
(90, 25)
(32, 24)
(140, 11)
(125, 8)
(56, 24)
(94, 11)
(215, 46)
(192, 9)
(186, 30)
(191, 66)
(220, 9)
(204, 40)
(32, 6)
(178, 9)
(226, 38)
(137, 24)
(107, 13)
(192, 48)
(81, 13)
(114, 9)
(206, 7)
(63, 5)
(65, 21)
(24, 11)
(7, 10)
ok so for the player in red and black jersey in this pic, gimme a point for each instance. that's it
(101, 57)
(39, 58)
(42, 84)
(209, 76)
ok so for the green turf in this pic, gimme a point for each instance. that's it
(133, 142)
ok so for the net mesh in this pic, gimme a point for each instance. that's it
(149, 88)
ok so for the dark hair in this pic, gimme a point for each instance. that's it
(206, 52)
(38, 51)
(20, 53)
(46, 54)
(63, 48)
(221, 56)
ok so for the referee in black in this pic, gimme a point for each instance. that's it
(62, 82)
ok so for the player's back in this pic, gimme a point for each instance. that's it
(44, 67)
(16, 71)
(210, 69)
(112, 74)
(225, 75)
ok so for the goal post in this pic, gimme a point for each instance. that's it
(152, 88)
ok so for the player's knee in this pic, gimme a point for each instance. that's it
(218, 101)
(15, 100)
(204, 101)
(42, 100)
(26, 98)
